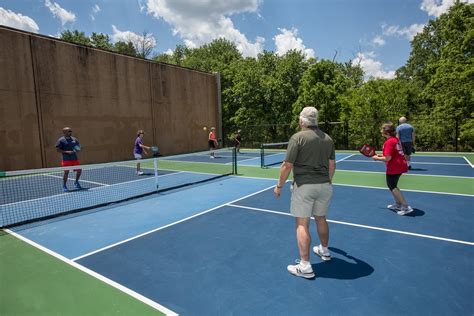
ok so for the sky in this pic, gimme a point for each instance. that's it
(373, 33)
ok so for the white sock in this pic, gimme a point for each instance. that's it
(304, 263)
(324, 249)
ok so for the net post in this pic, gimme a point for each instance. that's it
(234, 160)
(262, 155)
(155, 167)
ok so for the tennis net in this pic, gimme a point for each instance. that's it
(272, 153)
(32, 195)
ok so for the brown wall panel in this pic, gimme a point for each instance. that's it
(184, 102)
(104, 97)
(19, 131)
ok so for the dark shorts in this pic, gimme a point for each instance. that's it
(392, 180)
(212, 144)
(407, 148)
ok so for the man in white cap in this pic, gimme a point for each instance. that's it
(406, 135)
(311, 156)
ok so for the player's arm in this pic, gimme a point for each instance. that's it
(332, 169)
(285, 170)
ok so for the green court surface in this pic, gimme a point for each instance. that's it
(37, 283)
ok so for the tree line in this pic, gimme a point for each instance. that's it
(263, 95)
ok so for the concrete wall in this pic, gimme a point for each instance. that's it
(46, 84)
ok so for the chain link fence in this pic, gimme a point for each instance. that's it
(445, 135)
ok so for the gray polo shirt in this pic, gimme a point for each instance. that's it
(310, 151)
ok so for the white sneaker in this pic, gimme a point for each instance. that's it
(394, 207)
(299, 270)
(325, 256)
(212, 157)
(139, 173)
(405, 210)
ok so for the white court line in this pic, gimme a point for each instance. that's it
(417, 163)
(345, 158)
(168, 225)
(364, 226)
(73, 179)
(91, 189)
(470, 164)
(98, 276)
(407, 174)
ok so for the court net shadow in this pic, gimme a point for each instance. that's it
(342, 269)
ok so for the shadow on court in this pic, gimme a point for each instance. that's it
(416, 213)
(417, 169)
(342, 269)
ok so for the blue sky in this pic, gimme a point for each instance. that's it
(374, 33)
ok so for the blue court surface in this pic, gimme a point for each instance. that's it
(222, 248)
(421, 165)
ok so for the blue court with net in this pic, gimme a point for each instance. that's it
(210, 242)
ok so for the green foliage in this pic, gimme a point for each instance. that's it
(126, 48)
(75, 37)
(100, 40)
(263, 96)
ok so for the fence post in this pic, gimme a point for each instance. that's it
(456, 135)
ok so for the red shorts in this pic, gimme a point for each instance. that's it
(70, 163)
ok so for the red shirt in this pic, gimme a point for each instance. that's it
(393, 148)
(212, 136)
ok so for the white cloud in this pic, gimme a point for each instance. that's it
(18, 21)
(437, 7)
(141, 5)
(64, 15)
(199, 22)
(287, 40)
(408, 32)
(378, 41)
(126, 36)
(95, 9)
(372, 67)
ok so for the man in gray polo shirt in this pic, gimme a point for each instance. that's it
(311, 156)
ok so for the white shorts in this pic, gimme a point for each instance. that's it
(310, 199)
(138, 156)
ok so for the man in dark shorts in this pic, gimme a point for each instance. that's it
(212, 141)
(68, 146)
(238, 140)
(406, 134)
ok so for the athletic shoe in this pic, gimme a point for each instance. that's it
(394, 207)
(299, 270)
(139, 173)
(77, 185)
(325, 256)
(65, 189)
(405, 210)
(212, 157)
(409, 167)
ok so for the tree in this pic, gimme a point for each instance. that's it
(75, 37)
(143, 44)
(126, 48)
(101, 40)
(441, 65)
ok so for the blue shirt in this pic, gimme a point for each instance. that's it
(405, 133)
(68, 144)
(138, 149)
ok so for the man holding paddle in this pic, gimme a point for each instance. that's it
(69, 146)
(311, 156)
